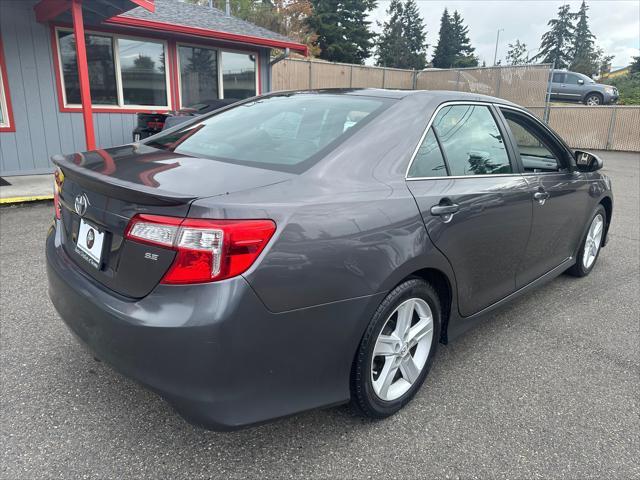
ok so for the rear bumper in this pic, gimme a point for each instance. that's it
(213, 350)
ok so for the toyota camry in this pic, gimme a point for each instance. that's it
(306, 249)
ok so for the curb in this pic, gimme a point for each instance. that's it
(32, 198)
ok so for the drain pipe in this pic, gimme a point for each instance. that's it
(280, 57)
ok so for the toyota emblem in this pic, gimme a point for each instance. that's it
(81, 203)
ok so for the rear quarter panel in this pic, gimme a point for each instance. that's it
(348, 227)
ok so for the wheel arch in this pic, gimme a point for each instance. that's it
(607, 203)
(444, 288)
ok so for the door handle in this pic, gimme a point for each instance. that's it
(541, 196)
(445, 209)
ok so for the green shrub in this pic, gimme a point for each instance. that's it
(628, 86)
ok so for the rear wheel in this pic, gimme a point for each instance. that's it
(594, 99)
(590, 247)
(397, 349)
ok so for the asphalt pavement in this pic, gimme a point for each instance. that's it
(549, 387)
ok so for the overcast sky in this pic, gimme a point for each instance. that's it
(616, 24)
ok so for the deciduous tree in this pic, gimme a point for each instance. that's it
(635, 65)
(517, 53)
(288, 17)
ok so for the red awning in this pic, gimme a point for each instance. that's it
(49, 10)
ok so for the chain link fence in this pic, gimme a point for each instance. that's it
(615, 127)
(293, 74)
(525, 85)
(602, 127)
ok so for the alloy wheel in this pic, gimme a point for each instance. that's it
(593, 241)
(402, 349)
(593, 100)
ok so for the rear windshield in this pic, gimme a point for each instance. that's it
(285, 132)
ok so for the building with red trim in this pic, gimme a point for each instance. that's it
(59, 95)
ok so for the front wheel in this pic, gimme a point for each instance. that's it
(590, 247)
(397, 350)
(594, 99)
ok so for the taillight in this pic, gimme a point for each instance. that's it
(155, 125)
(207, 250)
(58, 179)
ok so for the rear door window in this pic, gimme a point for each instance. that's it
(288, 132)
(558, 77)
(428, 161)
(471, 141)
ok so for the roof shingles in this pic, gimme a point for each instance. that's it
(189, 15)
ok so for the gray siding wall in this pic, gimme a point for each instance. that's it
(41, 129)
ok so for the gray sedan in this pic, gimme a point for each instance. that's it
(306, 249)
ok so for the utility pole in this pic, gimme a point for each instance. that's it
(495, 53)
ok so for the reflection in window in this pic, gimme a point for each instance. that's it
(102, 73)
(4, 114)
(142, 66)
(535, 156)
(238, 75)
(428, 161)
(282, 132)
(471, 141)
(198, 75)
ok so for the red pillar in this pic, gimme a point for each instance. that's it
(83, 73)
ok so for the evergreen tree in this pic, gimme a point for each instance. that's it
(416, 34)
(635, 65)
(556, 44)
(517, 53)
(462, 45)
(343, 29)
(585, 55)
(391, 42)
(402, 41)
(445, 52)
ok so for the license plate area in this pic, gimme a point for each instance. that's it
(90, 243)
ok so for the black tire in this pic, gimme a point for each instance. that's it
(579, 270)
(596, 99)
(363, 397)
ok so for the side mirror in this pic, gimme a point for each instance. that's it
(587, 162)
(580, 81)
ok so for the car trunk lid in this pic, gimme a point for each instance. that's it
(102, 190)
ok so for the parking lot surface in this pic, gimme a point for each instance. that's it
(548, 387)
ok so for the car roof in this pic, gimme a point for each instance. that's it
(438, 96)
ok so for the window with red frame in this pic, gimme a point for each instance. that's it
(6, 115)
